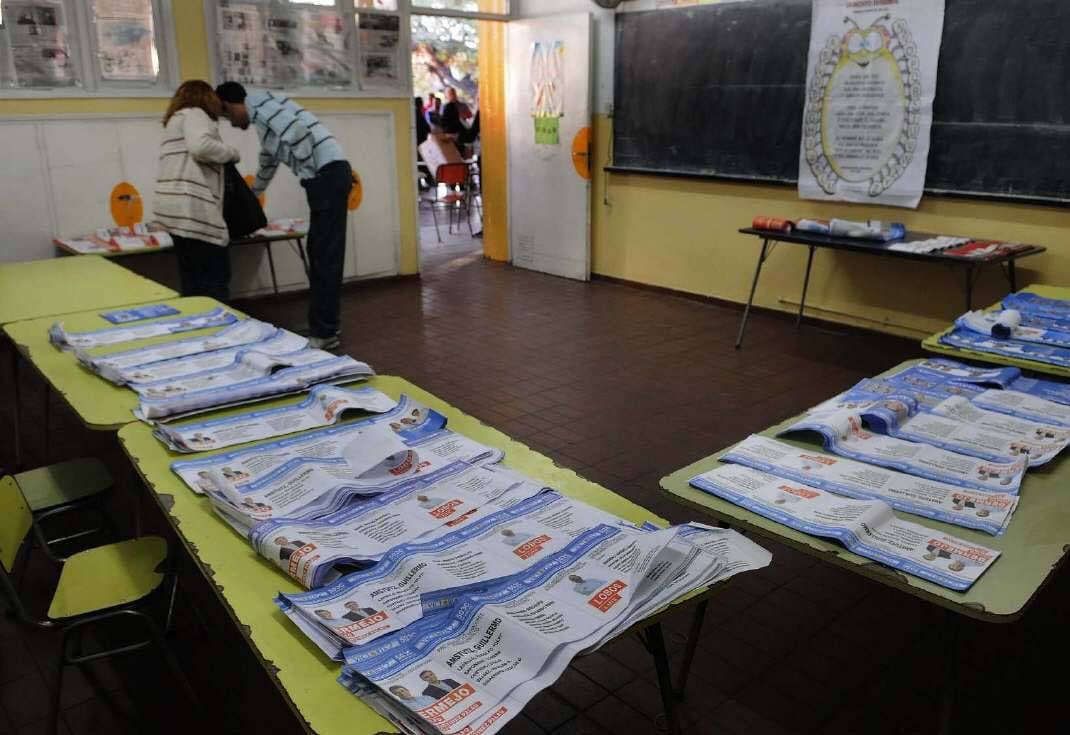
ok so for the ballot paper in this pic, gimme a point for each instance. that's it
(251, 376)
(411, 420)
(423, 577)
(474, 667)
(86, 247)
(931, 245)
(324, 406)
(965, 339)
(1032, 303)
(842, 433)
(1047, 399)
(61, 338)
(869, 528)
(988, 512)
(314, 551)
(952, 423)
(1011, 324)
(123, 367)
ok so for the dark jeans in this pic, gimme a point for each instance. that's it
(204, 268)
(328, 199)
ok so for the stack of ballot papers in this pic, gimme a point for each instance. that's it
(474, 665)
(1029, 327)
(65, 340)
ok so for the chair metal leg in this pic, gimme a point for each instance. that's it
(434, 216)
(57, 692)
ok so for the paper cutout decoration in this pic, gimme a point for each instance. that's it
(356, 194)
(126, 206)
(581, 153)
(547, 90)
(249, 179)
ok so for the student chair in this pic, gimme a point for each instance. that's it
(100, 584)
(456, 179)
(64, 486)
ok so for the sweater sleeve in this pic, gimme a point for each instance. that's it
(202, 139)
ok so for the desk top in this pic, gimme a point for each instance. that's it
(1035, 544)
(45, 288)
(247, 584)
(101, 406)
(871, 247)
(932, 342)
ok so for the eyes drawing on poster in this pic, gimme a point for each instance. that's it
(863, 111)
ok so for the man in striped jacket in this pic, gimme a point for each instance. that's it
(293, 136)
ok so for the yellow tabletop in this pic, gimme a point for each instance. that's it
(41, 288)
(1034, 545)
(932, 343)
(248, 583)
(101, 406)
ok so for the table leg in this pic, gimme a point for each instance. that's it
(806, 283)
(655, 643)
(949, 692)
(969, 288)
(1012, 276)
(304, 258)
(750, 299)
(698, 617)
(16, 423)
(271, 263)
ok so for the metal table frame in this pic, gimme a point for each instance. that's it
(770, 239)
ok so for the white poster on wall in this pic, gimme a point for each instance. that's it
(871, 79)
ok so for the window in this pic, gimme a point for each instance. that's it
(318, 47)
(77, 47)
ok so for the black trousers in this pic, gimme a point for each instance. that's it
(203, 268)
(328, 199)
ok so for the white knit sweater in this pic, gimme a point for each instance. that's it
(188, 200)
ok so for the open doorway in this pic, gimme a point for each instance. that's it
(446, 96)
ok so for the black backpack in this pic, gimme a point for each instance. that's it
(241, 209)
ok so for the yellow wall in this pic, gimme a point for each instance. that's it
(192, 41)
(493, 143)
(682, 234)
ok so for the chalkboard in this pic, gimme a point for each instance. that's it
(717, 91)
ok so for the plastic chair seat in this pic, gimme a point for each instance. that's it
(452, 198)
(63, 483)
(108, 576)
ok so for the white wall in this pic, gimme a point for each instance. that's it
(58, 173)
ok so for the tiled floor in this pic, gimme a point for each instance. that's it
(625, 386)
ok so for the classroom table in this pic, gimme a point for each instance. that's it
(44, 289)
(266, 239)
(98, 404)
(1034, 546)
(247, 584)
(813, 241)
(932, 342)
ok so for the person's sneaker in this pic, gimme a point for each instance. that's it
(324, 343)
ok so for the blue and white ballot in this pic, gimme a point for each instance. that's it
(1011, 324)
(474, 667)
(139, 313)
(61, 338)
(1026, 398)
(311, 551)
(1031, 303)
(251, 375)
(423, 577)
(842, 433)
(983, 511)
(869, 528)
(130, 366)
(964, 339)
(952, 423)
(324, 406)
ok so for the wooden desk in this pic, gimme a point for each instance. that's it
(814, 241)
(246, 584)
(932, 343)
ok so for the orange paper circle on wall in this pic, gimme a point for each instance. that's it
(126, 206)
(356, 194)
(581, 153)
(249, 179)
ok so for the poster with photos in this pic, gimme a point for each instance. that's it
(125, 47)
(37, 33)
(379, 43)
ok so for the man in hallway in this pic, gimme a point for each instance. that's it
(295, 137)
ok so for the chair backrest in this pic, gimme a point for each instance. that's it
(452, 174)
(16, 521)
